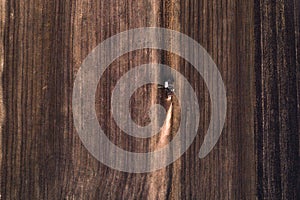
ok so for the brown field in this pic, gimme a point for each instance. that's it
(255, 45)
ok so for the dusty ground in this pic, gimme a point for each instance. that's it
(255, 46)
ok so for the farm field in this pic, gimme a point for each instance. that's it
(255, 46)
